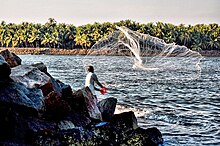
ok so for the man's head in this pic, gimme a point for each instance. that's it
(91, 69)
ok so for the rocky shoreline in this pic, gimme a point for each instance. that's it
(37, 109)
(54, 51)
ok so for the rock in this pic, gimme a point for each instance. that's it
(30, 76)
(66, 90)
(17, 95)
(77, 136)
(66, 125)
(11, 58)
(109, 133)
(6, 122)
(119, 128)
(17, 59)
(122, 125)
(42, 67)
(125, 120)
(27, 128)
(35, 125)
(140, 136)
(154, 136)
(84, 102)
(121, 131)
(77, 102)
(56, 107)
(47, 88)
(5, 70)
(59, 87)
(20, 129)
(79, 120)
(107, 108)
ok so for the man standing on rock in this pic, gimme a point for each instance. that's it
(91, 79)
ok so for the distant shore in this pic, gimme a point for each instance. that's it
(55, 51)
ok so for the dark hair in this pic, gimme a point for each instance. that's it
(91, 68)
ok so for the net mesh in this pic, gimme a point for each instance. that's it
(148, 52)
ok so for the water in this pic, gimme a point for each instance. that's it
(137, 45)
(187, 112)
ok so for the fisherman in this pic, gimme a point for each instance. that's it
(91, 78)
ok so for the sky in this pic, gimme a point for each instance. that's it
(80, 12)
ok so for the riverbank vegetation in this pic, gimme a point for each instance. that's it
(199, 37)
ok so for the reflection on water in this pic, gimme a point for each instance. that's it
(187, 112)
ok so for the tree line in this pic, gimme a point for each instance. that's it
(60, 35)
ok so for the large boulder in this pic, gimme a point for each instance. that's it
(140, 136)
(41, 66)
(30, 76)
(59, 87)
(11, 58)
(125, 120)
(19, 129)
(5, 70)
(83, 101)
(107, 108)
(76, 136)
(18, 96)
(59, 109)
(123, 130)
(79, 120)
(118, 128)
(56, 107)
(123, 124)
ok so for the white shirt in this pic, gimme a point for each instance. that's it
(90, 79)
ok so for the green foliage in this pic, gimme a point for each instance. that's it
(68, 36)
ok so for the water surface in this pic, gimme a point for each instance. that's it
(186, 111)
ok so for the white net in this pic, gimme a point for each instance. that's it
(130, 43)
(149, 54)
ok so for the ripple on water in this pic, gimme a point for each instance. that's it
(185, 111)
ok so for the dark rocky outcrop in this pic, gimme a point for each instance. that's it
(36, 76)
(55, 104)
(56, 85)
(84, 102)
(78, 119)
(148, 137)
(30, 76)
(42, 67)
(77, 137)
(37, 109)
(123, 130)
(19, 128)
(11, 58)
(5, 70)
(125, 120)
(107, 108)
(17, 95)
(77, 102)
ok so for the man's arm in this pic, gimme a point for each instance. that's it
(97, 82)
(96, 89)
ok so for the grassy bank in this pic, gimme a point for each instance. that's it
(47, 51)
(54, 51)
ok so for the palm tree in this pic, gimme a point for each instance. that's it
(184, 37)
(46, 40)
(83, 41)
(51, 34)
